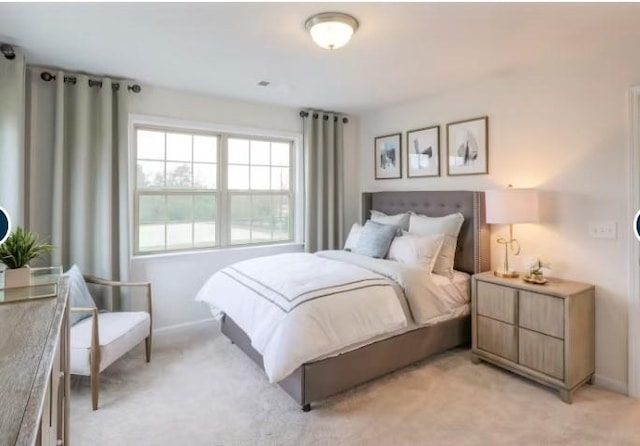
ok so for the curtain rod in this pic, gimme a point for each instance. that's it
(47, 77)
(304, 114)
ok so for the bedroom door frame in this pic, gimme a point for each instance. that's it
(633, 388)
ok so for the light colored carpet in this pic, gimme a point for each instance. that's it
(201, 390)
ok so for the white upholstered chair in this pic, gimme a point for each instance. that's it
(99, 340)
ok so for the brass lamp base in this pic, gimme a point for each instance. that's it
(509, 275)
(506, 271)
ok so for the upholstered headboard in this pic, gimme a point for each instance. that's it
(473, 251)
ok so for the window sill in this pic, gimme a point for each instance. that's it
(259, 249)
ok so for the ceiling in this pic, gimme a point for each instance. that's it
(400, 52)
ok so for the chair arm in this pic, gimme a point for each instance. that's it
(98, 281)
(83, 310)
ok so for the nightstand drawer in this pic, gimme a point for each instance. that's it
(542, 313)
(497, 302)
(542, 353)
(497, 338)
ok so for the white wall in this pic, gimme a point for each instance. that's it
(176, 278)
(562, 128)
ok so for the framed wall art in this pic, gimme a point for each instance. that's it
(423, 152)
(388, 156)
(468, 147)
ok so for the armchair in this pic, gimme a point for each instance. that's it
(99, 340)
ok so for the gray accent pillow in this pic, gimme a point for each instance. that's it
(78, 295)
(400, 220)
(375, 239)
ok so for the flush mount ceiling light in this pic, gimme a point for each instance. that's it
(331, 30)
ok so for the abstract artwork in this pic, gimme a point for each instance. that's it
(423, 152)
(468, 147)
(388, 156)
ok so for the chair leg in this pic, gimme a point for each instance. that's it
(147, 347)
(95, 386)
(94, 359)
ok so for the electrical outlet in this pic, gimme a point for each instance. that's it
(603, 229)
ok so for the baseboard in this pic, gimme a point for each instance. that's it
(184, 327)
(611, 384)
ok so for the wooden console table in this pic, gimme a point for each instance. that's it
(34, 365)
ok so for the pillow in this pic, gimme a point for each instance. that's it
(400, 220)
(353, 237)
(375, 239)
(449, 225)
(420, 251)
(78, 294)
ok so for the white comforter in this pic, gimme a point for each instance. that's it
(298, 307)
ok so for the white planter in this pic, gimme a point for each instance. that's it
(15, 278)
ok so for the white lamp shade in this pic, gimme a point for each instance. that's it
(508, 206)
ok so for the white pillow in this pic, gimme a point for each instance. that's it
(449, 225)
(353, 237)
(420, 251)
(400, 220)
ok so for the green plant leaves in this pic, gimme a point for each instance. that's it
(21, 247)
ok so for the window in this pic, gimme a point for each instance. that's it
(260, 202)
(204, 190)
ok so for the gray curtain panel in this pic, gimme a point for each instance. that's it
(12, 97)
(75, 139)
(324, 180)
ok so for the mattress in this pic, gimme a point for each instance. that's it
(453, 299)
(296, 307)
(386, 298)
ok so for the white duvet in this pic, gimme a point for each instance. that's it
(299, 307)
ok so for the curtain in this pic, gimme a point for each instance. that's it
(324, 180)
(12, 102)
(77, 191)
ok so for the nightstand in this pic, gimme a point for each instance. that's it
(543, 332)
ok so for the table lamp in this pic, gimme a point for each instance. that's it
(508, 207)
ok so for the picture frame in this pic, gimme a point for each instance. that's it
(423, 152)
(468, 147)
(388, 156)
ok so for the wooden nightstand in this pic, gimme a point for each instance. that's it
(542, 332)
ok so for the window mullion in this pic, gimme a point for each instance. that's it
(193, 196)
(136, 216)
(166, 219)
(223, 201)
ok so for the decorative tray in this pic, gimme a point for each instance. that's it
(531, 279)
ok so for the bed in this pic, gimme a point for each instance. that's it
(331, 374)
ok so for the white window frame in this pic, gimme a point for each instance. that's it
(223, 132)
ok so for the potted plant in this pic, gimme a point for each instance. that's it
(20, 248)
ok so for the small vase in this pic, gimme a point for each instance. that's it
(538, 276)
(15, 278)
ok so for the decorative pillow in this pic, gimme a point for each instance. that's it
(375, 239)
(78, 294)
(416, 250)
(353, 237)
(449, 225)
(400, 220)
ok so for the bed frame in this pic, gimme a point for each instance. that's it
(320, 379)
